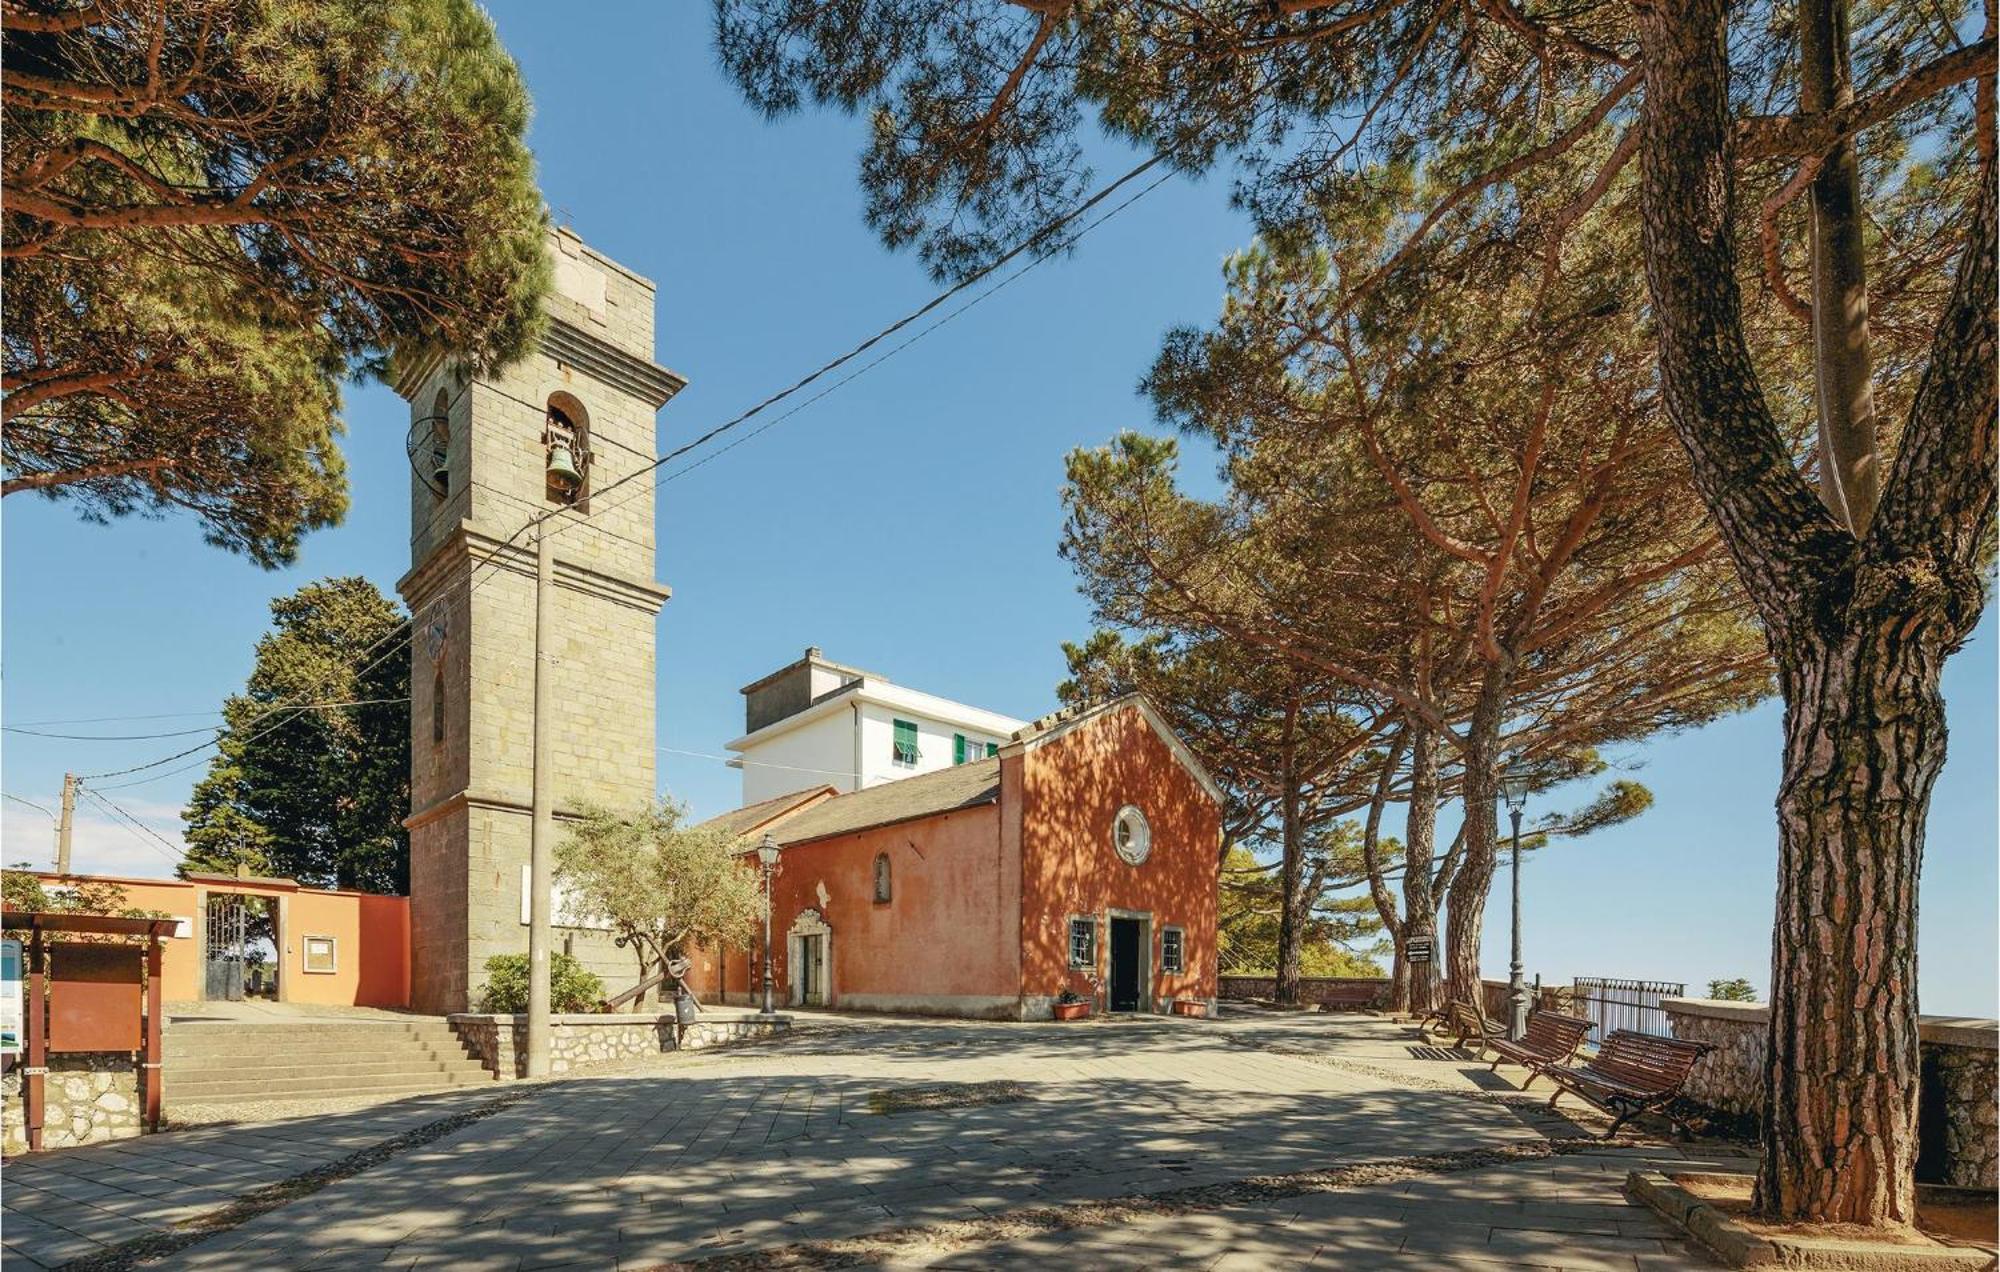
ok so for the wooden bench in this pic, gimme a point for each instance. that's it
(1551, 1040)
(1467, 1021)
(1334, 997)
(1632, 1073)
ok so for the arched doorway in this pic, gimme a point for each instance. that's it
(809, 961)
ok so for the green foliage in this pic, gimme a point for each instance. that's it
(314, 795)
(24, 891)
(661, 883)
(1247, 914)
(217, 208)
(572, 988)
(1732, 991)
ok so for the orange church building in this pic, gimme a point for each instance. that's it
(1081, 857)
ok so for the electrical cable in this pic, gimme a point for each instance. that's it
(1041, 237)
(168, 715)
(171, 852)
(29, 802)
(107, 737)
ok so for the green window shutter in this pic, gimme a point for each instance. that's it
(905, 751)
(958, 748)
(992, 749)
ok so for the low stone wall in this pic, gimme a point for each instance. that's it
(1312, 989)
(1958, 1118)
(88, 1097)
(580, 1041)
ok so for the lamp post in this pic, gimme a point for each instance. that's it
(1514, 789)
(767, 859)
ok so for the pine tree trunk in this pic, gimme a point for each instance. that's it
(1843, 368)
(1859, 630)
(1864, 742)
(1466, 908)
(1291, 882)
(1291, 877)
(1417, 984)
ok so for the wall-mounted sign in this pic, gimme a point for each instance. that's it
(321, 954)
(12, 1018)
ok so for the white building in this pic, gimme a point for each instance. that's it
(818, 723)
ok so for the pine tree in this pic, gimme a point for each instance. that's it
(311, 778)
(1742, 138)
(215, 210)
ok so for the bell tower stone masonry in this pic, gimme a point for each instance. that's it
(488, 453)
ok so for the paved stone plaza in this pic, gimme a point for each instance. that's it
(967, 1133)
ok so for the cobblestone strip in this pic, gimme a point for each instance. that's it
(158, 1245)
(1032, 1221)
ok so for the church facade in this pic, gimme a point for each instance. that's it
(488, 453)
(1081, 858)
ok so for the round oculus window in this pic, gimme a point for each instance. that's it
(1131, 836)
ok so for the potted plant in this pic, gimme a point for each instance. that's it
(1070, 1005)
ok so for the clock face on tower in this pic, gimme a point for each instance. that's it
(1131, 836)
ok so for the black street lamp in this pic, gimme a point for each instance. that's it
(767, 859)
(1514, 789)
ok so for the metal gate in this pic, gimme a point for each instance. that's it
(226, 947)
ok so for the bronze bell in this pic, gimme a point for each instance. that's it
(562, 467)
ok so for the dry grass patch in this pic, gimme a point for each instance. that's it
(946, 1095)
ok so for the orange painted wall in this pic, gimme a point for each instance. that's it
(1073, 788)
(942, 934)
(371, 934)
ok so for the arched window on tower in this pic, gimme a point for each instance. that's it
(440, 466)
(437, 707)
(881, 877)
(566, 450)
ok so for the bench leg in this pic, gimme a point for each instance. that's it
(1530, 1079)
(1618, 1122)
(1557, 1096)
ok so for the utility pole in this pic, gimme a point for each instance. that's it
(63, 824)
(542, 833)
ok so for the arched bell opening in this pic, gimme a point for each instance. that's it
(566, 451)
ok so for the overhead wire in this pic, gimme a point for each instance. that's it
(29, 802)
(165, 715)
(1047, 238)
(171, 851)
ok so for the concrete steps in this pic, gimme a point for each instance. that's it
(224, 1062)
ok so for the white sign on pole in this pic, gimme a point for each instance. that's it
(12, 1018)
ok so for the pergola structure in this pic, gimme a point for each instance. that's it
(96, 1003)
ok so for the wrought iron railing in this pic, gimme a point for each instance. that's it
(1625, 1004)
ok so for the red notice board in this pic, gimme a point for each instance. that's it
(94, 997)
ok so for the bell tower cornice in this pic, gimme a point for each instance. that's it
(570, 345)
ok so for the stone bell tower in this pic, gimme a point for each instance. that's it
(487, 453)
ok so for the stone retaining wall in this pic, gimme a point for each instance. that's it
(579, 1041)
(1958, 1118)
(88, 1097)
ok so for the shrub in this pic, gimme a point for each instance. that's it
(1732, 991)
(571, 988)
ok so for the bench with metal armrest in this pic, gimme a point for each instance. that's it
(1551, 1039)
(1632, 1073)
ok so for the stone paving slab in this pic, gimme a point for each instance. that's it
(712, 1156)
(66, 1204)
(1443, 1221)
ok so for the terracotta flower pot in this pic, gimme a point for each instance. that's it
(1071, 1011)
(1190, 1007)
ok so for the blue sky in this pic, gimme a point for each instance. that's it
(907, 524)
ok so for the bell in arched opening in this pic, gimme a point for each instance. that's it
(566, 459)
